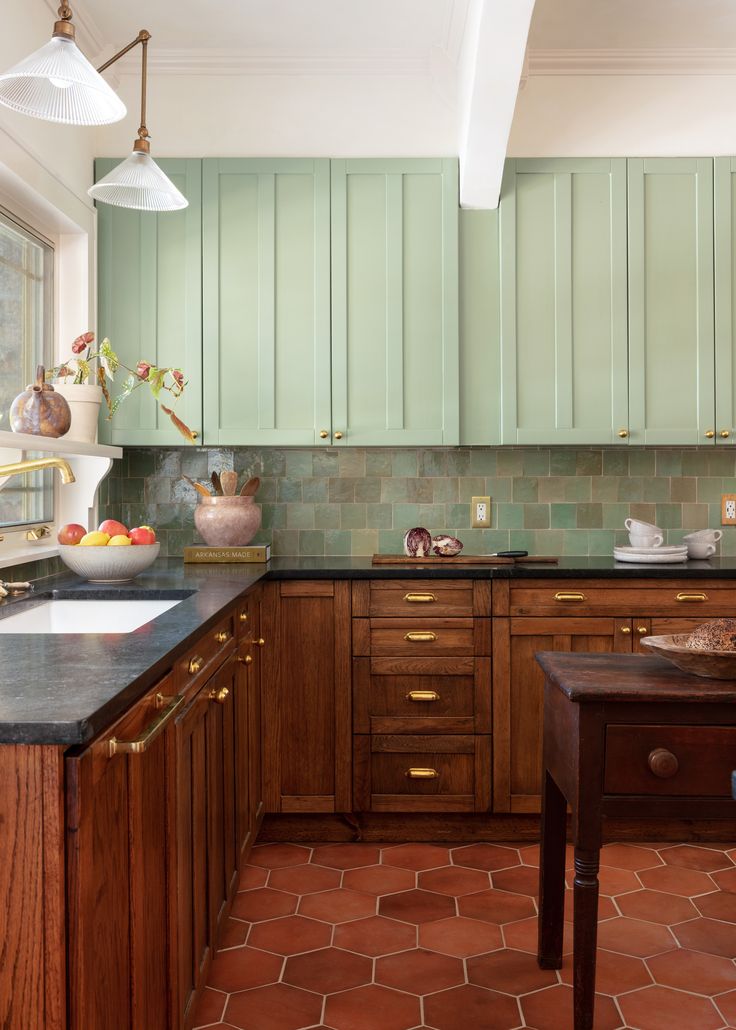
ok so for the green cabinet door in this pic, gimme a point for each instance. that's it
(563, 302)
(671, 348)
(724, 190)
(395, 302)
(266, 290)
(150, 303)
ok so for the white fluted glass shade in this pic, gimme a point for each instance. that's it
(138, 182)
(57, 83)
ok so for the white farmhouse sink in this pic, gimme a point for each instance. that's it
(85, 616)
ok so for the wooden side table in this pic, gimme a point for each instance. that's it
(626, 736)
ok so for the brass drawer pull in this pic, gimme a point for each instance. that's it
(220, 695)
(222, 636)
(420, 598)
(692, 597)
(420, 635)
(422, 774)
(140, 744)
(663, 763)
(195, 664)
(642, 631)
(259, 643)
(243, 616)
(247, 660)
(625, 630)
(569, 595)
(422, 695)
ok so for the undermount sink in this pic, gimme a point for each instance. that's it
(86, 616)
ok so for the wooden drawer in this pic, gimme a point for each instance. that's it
(210, 650)
(424, 637)
(693, 761)
(679, 598)
(420, 598)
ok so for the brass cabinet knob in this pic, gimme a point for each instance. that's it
(623, 433)
(195, 664)
(247, 660)
(642, 631)
(625, 630)
(724, 434)
(195, 434)
(243, 616)
(663, 763)
(259, 643)
(710, 433)
(220, 695)
(222, 636)
(338, 435)
(323, 434)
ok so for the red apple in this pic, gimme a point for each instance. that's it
(142, 535)
(113, 528)
(72, 533)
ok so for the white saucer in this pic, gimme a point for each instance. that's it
(651, 557)
(663, 549)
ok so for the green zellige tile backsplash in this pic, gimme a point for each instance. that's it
(357, 501)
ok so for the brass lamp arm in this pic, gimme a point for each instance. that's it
(143, 37)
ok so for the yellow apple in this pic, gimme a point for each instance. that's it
(94, 539)
(119, 541)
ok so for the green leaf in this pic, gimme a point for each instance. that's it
(156, 380)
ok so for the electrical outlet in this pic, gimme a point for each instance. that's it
(480, 512)
(728, 509)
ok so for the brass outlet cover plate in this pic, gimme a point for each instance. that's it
(480, 512)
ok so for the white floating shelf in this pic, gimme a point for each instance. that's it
(56, 445)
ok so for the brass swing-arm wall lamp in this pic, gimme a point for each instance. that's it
(57, 83)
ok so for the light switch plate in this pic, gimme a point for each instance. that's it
(728, 509)
(480, 512)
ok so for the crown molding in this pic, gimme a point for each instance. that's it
(654, 61)
(249, 62)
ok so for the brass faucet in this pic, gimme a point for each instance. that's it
(15, 468)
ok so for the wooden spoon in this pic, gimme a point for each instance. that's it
(250, 488)
(229, 482)
(215, 478)
(198, 487)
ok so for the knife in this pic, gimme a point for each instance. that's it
(505, 554)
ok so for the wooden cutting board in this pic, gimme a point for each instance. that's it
(458, 559)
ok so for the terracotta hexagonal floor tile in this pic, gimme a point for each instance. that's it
(338, 906)
(454, 881)
(606, 907)
(328, 970)
(726, 1004)
(419, 972)
(379, 879)
(726, 880)
(614, 974)
(276, 856)
(659, 1008)
(277, 1007)
(634, 937)
(305, 879)
(496, 906)
(366, 1008)
(460, 937)
(629, 856)
(522, 936)
(210, 1007)
(485, 856)
(551, 1009)
(346, 856)
(242, 968)
(416, 906)
(708, 935)
(719, 905)
(656, 907)
(471, 1008)
(375, 936)
(252, 876)
(693, 971)
(612, 881)
(690, 856)
(290, 936)
(511, 972)
(263, 903)
(530, 855)
(674, 880)
(234, 933)
(416, 856)
(521, 880)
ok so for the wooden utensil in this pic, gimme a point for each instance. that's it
(250, 488)
(229, 481)
(215, 478)
(198, 487)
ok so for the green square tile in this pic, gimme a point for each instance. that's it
(351, 462)
(553, 488)
(643, 512)
(578, 488)
(395, 489)
(668, 463)
(604, 488)
(268, 490)
(312, 541)
(141, 462)
(536, 516)
(300, 516)
(432, 463)
(630, 489)
(419, 490)
(641, 462)
(508, 516)
(562, 462)
(298, 464)
(601, 541)
(696, 516)
(168, 463)
(695, 462)
(656, 489)
(404, 463)
(525, 490)
(341, 490)
(314, 490)
(669, 516)
(498, 488)
(247, 462)
(614, 515)
(563, 516)
(368, 489)
(338, 541)
(273, 516)
(709, 489)
(445, 491)
(406, 516)
(483, 462)
(683, 488)
(432, 517)
(132, 490)
(352, 516)
(458, 515)
(325, 463)
(289, 490)
(471, 486)
(390, 541)
(616, 462)
(522, 540)
(720, 462)
(509, 463)
(378, 463)
(274, 463)
(286, 542)
(379, 516)
(536, 463)
(364, 541)
(575, 541)
(588, 463)
(458, 462)
(590, 516)
(492, 540)
(327, 516)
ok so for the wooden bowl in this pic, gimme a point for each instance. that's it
(717, 665)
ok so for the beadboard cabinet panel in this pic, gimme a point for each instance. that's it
(266, 288)
(563, 301)
(394, 302)
(724, 201)
(150, 303)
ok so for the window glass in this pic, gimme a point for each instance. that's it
(26, 335)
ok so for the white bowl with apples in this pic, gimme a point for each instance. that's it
(110, 554)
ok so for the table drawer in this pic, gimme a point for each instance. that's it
(677, 761)
(411, 598)
(201, 660)
(422, 637)
(681, 598)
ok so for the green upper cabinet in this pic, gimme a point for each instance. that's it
(395, 302)
(266, 293)
(150, 302)
(563, 302)
(671, 292)
(724, 189)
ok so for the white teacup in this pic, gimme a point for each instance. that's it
(637, 526)
(700, 548)
(646, 539)
(712, 536)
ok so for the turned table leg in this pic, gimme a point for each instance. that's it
(552, 875)
(585, 935)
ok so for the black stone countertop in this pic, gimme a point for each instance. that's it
(65, 688)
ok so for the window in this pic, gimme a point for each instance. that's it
(26, 340)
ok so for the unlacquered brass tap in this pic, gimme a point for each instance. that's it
(15, 468)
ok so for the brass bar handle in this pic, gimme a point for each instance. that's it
(259, 643)
(642, 631)
(220, 695)
(422, 774)
(420, 598)
(222, 636)
(420, 636)
(195, 664)
(663, 763)
(422, 695)
(248, 660)
(692, 597)
(243, 617)
(625, 630)
(569, 595)
(140, 744)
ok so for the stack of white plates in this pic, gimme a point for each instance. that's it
(665, 555)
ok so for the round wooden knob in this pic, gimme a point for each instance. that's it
(663, 763)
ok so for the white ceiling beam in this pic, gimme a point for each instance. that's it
(490, 67)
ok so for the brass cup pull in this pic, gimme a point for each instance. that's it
(692, 597)
(222, 636)
(259, 643)
(420, 636)
(625, 630)
(724, 434)
(247, 660)
(623, 433)
(243, 617)
(195, 664)
(569, 595)
(220, 695)
(323, 434)
(642, 631)
(422, 695)
(422, 774)
(140, 744)
(710, 434)
(663, 763)
(420, 598)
